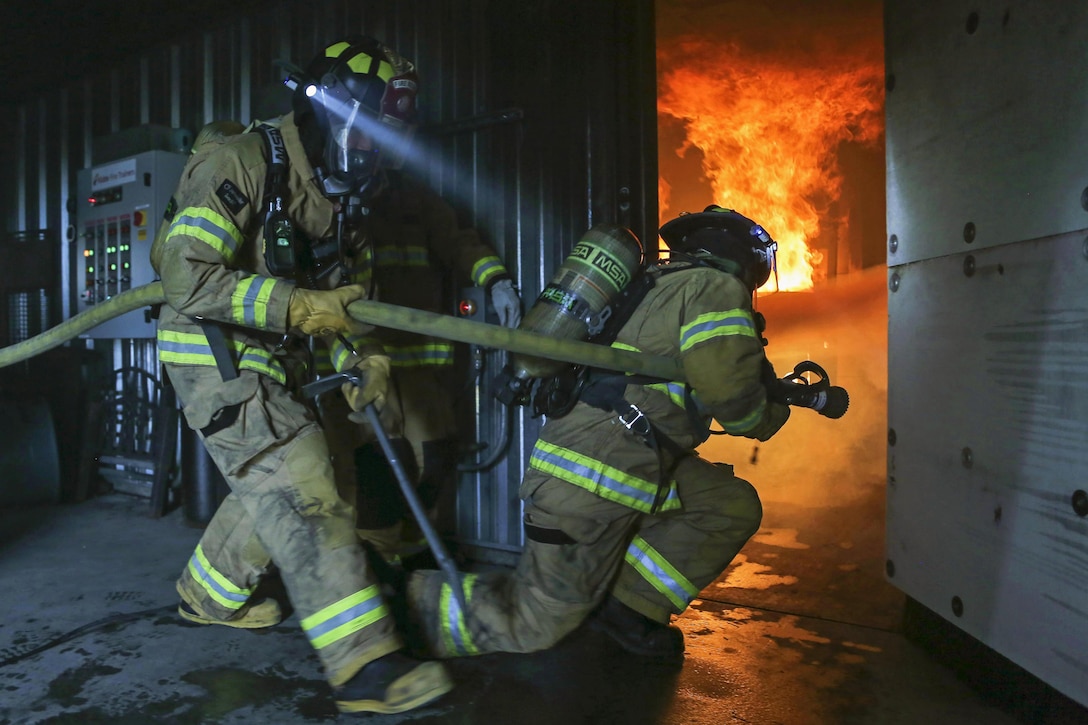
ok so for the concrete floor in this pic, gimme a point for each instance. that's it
(801, 630)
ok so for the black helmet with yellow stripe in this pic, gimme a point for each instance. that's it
(724, 239)
(356, 112)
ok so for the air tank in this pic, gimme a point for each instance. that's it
(578, 300)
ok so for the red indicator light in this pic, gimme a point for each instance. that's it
(466, 308)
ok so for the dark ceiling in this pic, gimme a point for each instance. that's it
(45, 43)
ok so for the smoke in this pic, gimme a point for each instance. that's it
(813, 460)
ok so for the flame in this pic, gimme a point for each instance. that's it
(769, 125)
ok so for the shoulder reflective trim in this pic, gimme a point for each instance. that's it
(485, 269)
(660, 574)
(208, 226)
(191, 348)
(411, 255)
(218, 587)
(406, 356)
(599, 478)
(249, 301)
(717, 324)
(746, 423)
(455, 633)
(345, 617)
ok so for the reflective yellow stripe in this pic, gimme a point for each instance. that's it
(455, 633)
(345, 617)
(746, 423)
(485, 269)
(214, 583)
(249, 301)
(660, 574)
(599, 478)
(208, 226)
(192, 348)
(717, 324)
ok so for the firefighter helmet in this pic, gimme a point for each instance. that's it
(724, 239)
(356, 112)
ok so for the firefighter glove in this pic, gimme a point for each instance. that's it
(324, 312)
(774, 417)
(374, 370)
(505, 300)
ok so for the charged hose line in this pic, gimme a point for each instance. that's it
(525, 342)
(381, 314)
(127, 301)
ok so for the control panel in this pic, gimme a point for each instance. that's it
(120, 206)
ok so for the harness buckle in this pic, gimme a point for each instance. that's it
(635, 420)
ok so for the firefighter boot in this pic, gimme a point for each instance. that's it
(393, 683)
(638, 634)
(259, 614)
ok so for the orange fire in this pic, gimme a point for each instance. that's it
(769, 125)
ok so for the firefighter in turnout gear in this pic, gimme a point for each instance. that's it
(261, 253)
(414, 247)
(624, 522)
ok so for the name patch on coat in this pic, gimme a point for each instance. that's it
(232, 196)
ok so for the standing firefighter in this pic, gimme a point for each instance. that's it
(414, 247)
(620, 513)
(260, 252)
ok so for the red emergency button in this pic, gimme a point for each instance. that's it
(467, 308)
(139, 218)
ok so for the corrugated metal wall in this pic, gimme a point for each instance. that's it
(576, 144)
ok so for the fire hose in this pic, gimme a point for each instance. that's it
(794, 389)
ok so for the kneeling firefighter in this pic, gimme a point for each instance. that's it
(261, 251)
(623, 520)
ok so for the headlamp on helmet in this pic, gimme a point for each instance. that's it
(724, 239)
(359, 97)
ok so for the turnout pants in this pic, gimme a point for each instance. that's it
(425, 435)
(283, 510)
(582, 548)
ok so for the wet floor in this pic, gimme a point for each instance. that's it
(801, 630)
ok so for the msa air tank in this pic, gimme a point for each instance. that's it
(577, 302)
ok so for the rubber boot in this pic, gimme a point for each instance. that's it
(638, 634)
(393, 683)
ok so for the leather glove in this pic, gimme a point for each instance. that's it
(324, 312)
(375, 370)
(505, 300)
(774, 417)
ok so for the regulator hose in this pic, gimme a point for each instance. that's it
(381, 314)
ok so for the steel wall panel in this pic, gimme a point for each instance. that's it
(988, 416)
(988, 339)
(985, 123)
(578, 148)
